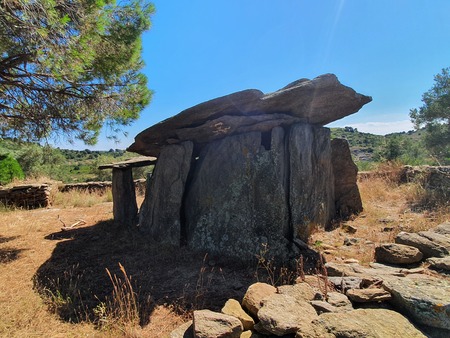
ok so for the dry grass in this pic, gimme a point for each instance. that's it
(388, 209)
(55, 283)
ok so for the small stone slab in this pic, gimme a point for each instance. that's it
(375, 323)
(233, 308)
(209, 324)
(440, 263)
(368, 295)
(323, 307)
(426, 300)
(254, 296)
(427, 246)
(393, 253)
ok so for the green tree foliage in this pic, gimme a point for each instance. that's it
(434, 115)
(9, 169)
(70, 67)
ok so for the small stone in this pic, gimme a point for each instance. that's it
(183, 331)
(283, 314)
(387, 229)
(440, 263)
(301, 291)
(254, 296)
(322, 307)
(393, 253)
(351, 241)
(349, 228)
(351, 261)
(338, 299)
(368, 295)
(345, 283)
(233, 308)
(246, 334)
(209, 324)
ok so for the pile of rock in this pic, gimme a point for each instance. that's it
(302, 311)
(28, 196)
(432, 245)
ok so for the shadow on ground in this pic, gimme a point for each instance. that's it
(74, 280)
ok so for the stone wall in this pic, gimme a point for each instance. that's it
(26, 196)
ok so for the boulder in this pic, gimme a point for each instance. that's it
(160, 212)
(318, 101)
(233, 308)
(255, 295)
(339, 300)
(425, 300)
(209, 324)
(347, 197)
(345, 283)
(301, 291)
(368, 295)
(426, 244)
(440, 263)
(393, 253)
(185, 330)
(283, 314)
(369, 323)
(443, 229)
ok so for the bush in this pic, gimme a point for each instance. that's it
(9, 169)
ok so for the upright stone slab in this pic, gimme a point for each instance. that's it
(348, 199)
(237, 198)
(124, 197)
(311, 196)
(160, 214)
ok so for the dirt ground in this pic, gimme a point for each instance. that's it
(54, 282)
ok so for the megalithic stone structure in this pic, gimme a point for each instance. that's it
(250, 169)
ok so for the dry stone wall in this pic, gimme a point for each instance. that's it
(26, 196)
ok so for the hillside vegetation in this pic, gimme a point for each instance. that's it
(70, 166)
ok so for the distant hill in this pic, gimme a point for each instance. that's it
(82, 165)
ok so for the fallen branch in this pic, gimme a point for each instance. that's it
(78, 222)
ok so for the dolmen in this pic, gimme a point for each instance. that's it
(251, 170)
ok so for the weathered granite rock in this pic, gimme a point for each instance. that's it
(185, 330)
(347, 197)
(345, 283)
(368, 295)
(311, 197)
(339, 300)
(440, 263)
(426, 300)
(227, 212)
(443, 229)
(233, 308)
(322, 307)
(301, 291)
(160, 211)
(429, 247)
(393, 253)
(255, 295)
(209, 324)
(369, 323)
(318, 101)
(283, 314)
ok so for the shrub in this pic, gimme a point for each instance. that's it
(9, 169)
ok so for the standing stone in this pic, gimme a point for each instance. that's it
(160, 212)
(236, 201)
(124, 197)
(311, 197)
(346, 192)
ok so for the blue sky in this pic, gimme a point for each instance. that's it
(201, 49)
